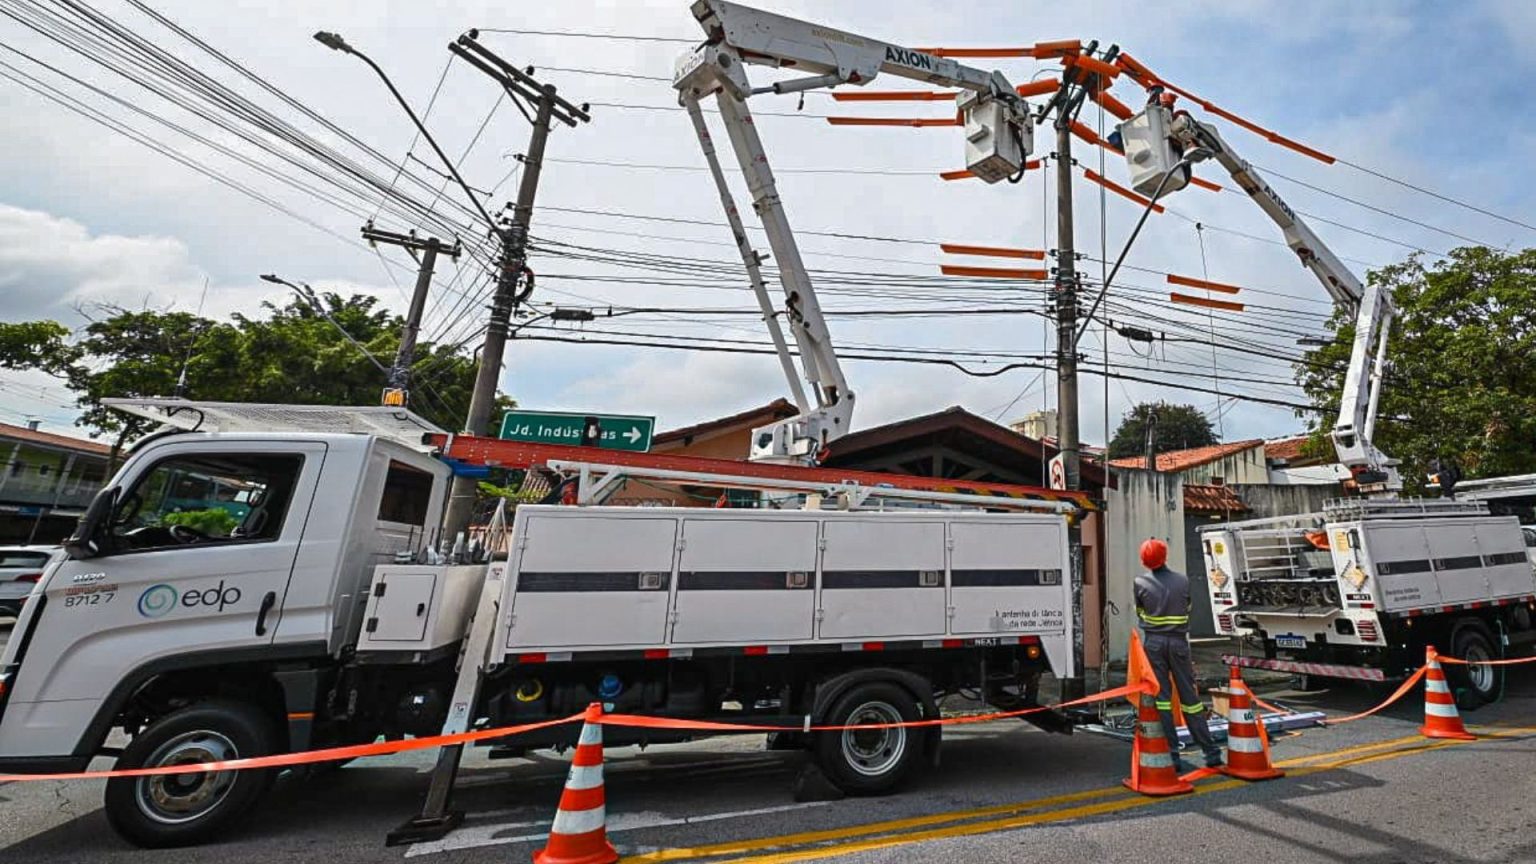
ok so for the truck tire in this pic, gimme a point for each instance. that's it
(870, 761)
(186, 809)
(1475, 686)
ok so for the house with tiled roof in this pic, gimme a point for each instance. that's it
(46, 479)
(1215, 465)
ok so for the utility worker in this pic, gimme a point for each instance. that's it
(1162, 604)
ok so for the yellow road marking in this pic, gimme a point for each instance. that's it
(1020, 817)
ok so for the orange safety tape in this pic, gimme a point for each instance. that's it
(330, 754)
(1398, 694)
(636, 720)
(1457, 661)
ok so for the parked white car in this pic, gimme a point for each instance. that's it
(20, 568)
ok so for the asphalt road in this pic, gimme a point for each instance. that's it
(1370, 792)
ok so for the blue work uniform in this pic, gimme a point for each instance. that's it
(1162, 604)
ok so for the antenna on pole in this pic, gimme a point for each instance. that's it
(181, 378)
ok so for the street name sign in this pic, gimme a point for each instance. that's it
(609, 431)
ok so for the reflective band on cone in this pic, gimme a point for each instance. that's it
(1152, 771)
(1247, 745)
(580, 832)
(1441, 719)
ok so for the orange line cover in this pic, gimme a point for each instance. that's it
(1187, 282)
(1119, 190)
(991, 272)
(1228, 305)
(912, 122)
(992, 251)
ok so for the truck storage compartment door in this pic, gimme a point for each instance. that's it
(592, 580)
(1008, 578)
(1399, 555)
(1453, 550)
(398, 605)
(882, 577)
(1505, 563)
(745, 580)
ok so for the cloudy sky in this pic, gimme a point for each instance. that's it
(1409, 90)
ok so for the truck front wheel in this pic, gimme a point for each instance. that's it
(185, 809)
(870, 761)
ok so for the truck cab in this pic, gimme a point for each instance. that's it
(220, 564)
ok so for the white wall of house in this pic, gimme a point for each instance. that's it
(1247, 466)
(1144, 505)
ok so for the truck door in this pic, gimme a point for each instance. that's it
(198, 556)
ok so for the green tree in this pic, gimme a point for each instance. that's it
(1462, 358)
(1176, 427)
(290, 353)
(214, 522)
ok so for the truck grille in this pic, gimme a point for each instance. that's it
(1224, 622)
(1367, 631)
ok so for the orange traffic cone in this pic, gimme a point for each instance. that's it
(580, 832)
(1247, 742)
(1152, 771)
(1440, 717)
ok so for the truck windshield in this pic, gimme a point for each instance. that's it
(212, 497)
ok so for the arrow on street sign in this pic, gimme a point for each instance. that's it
(610, 431)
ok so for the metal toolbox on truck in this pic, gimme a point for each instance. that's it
(418, 608)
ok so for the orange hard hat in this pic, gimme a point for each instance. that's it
(1154, 553)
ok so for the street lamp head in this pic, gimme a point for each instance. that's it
(273, 278)
(333, 41)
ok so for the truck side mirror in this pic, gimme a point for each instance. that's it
(90, 532)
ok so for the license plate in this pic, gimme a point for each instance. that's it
(1290, 642)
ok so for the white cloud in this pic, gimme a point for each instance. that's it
(48, 263)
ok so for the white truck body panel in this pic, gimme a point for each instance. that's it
(603, 578)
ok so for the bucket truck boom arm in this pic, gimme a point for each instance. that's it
(998, 141)
(1155, 141)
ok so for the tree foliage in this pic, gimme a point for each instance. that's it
(1461, 385)
(291, 353)
(1177, 427)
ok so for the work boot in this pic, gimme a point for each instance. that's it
(1213, 759)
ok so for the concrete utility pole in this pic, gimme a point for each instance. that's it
(1066, 103)
(512, 262)
(398, 390)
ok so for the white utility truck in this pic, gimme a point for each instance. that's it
(326, 616)
(330, 612)
(1357, 590)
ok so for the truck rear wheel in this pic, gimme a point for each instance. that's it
(870, 761)
(185, 809)
(1475, 686)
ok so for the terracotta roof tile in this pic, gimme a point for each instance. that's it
(775, 410)
(51, 439)
(1180, 460)
(1288, 449)
(1212, 499)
